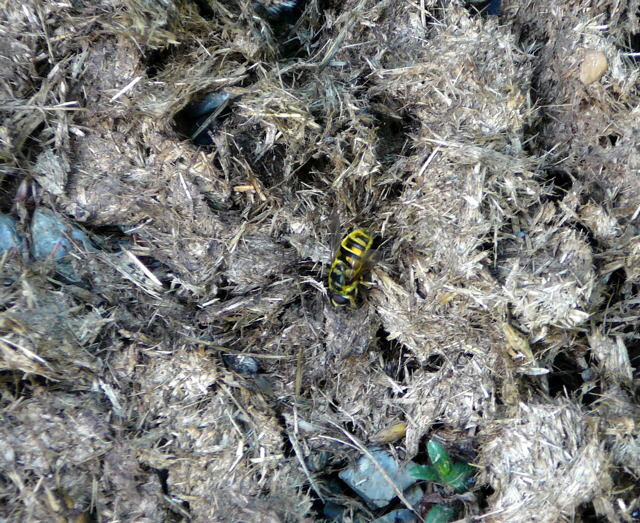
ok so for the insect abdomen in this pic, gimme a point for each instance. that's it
(346, 270)
(353, 247)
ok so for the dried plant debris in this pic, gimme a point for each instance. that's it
(174, 175)
(545, 443)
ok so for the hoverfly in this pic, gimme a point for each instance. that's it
(348, 268)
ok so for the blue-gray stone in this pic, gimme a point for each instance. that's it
(397, 516)
(9, 236)
(333, 511)
(241, 363)
(365, 478)
(48, 236)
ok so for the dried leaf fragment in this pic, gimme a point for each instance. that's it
(594, 64)
(390, 434)
(518, 343)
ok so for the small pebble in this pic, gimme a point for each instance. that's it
(594, 64)
(9, 237)
(48, 235)
(365, 478)
(333, 511)
(240, 363)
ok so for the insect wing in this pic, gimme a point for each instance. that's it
(334, 233)
(356, 250)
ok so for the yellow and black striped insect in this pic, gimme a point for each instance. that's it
(348, 268)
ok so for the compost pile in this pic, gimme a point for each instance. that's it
(174, 175)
